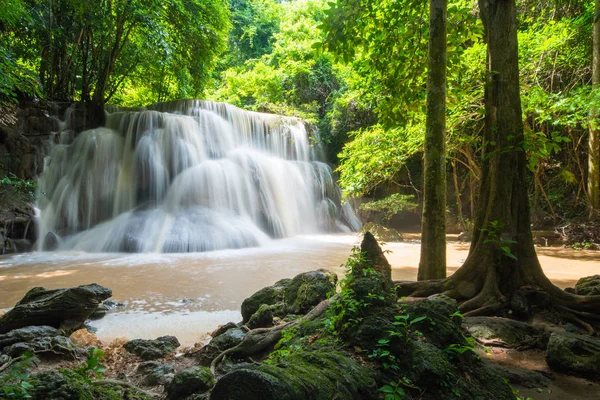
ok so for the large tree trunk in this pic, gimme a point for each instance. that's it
(594, 139)
(433, 242)
(502, 257)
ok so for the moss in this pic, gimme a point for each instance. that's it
(309, 374)
(269, 295)
(308, 289)
(262, 318)
(194, 380)
(70, 386)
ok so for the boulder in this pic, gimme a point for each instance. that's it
(505, 332)
(574, 354)
(305, 375)
(51, 242)
(373, 258)
(521, 376)
(66, 309)
(106, 307)
(262, 318)
(152, 349)
(269, 295)
(588, 286)
(308, 289)
(217, 345)
(156, 374)
(47, 346)
(27, 334)
(194, 380)
(223, 328)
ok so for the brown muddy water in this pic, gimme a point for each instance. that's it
(188, 295)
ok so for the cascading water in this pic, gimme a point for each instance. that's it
(187, 176)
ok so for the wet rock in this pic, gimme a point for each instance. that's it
(306, 375)
(66, 309)
(152, 349)
(308, 289)
(217, 345)
(262, 318)
(588, 286)
(106, 307)
(521, 376)
(269, 295)
(506, 332)
(51, 242)
(195, 380)
(156, 374)
(574, 354)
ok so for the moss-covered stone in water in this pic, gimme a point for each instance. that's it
(190, 381)
(269, 295)
(303, 375)
(308, 289)
(262, 318)
(70, 386)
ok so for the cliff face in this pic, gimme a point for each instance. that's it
(26, 132)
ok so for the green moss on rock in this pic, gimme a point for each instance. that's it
(194, 380)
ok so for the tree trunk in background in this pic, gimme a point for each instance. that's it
(594, 139)
(433, 242)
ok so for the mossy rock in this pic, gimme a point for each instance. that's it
(152, 349)
(262, 318)
(269, 295)
(383, 233)
(231, 338)
(194, 380)
(574, 354)
(505, 332)
(308, 289)
(588, 286)
(303, 375)
(70, 386)
(432, 317)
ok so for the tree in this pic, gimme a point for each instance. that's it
(433, 233)
(594, 138)
(502, 257)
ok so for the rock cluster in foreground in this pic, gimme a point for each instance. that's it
(299, 339)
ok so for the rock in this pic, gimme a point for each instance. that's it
(505, 332)
(262, 318)
(27, 334)
(106, 307)
(156, 374)
(217, 345)
(588, 286)
(383, 233)
(66, 309)
(70, 386)
(574, 354)
(47, 345)
(374, 258)
(51, 242)
(308, 289)
(152, 349)
(223, 328)
(305, 375)
(194, 380)
(521, 376)
(269, 295)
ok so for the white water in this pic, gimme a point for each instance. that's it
(187, 176)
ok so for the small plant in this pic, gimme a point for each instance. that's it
(393, 391)
(16, 383)
(494, 235)
(25, 189)
(92, 367)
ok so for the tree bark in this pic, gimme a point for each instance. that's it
(594, 138)
(433, 243)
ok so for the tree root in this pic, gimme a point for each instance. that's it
(261, 339)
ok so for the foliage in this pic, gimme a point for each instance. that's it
(391, 205)
(16, 381)
(92, 367)
(25, 189)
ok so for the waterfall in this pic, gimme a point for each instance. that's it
(187, 176)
